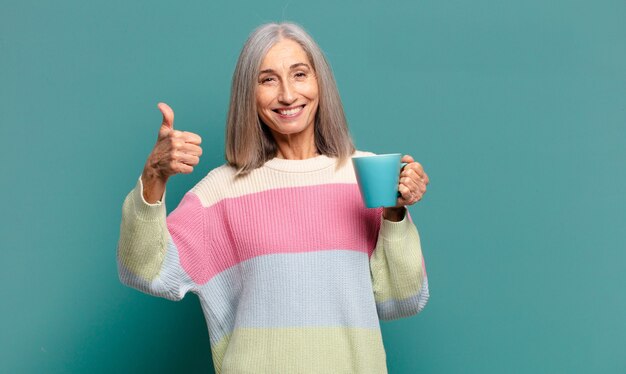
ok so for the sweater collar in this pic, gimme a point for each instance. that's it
(301, 166)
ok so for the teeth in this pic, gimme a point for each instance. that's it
(289, 112)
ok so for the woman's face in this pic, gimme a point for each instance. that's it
(287, 92)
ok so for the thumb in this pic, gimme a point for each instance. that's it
(168, 115)
(407, 159)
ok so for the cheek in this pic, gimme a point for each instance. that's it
(313, 93)
(263, 99)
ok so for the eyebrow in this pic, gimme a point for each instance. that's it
(296, 65)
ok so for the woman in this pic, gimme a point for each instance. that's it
(292, 272)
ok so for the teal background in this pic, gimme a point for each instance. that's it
(515, 108)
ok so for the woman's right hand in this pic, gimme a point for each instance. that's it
(174, 152)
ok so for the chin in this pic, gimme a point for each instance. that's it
(287, 129)
(296, 129)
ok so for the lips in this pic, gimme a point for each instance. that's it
(289, 112)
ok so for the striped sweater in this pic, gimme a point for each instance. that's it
(293, 273)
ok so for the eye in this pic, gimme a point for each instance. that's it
(300, 75)
(268, 79)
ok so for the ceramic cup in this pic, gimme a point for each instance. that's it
(378, 178)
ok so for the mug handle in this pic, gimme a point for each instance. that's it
(403, 164)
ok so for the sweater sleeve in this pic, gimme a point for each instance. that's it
(147, 258)
(398, 270)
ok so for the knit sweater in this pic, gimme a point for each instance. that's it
(293, 273)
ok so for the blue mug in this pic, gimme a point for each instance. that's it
(378, 178)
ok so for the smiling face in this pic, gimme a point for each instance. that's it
(287, 91)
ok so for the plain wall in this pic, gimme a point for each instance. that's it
(516, 109)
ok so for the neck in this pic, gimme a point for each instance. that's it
(296, 146)
(296, 153)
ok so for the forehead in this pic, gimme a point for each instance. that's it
(284, 54)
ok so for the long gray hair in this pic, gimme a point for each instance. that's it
(249, 143)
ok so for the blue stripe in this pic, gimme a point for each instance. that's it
(322, 288)
(172, 282)
(394, 309)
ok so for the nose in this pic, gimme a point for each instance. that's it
(286, 94)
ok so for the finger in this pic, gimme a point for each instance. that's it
(412, 191)
(168, 115)
(187, 159)
(178, 139)
(411, 184)
(410, 173)
(191, 138)
(407, 158)
(405, 193)
(175, 139)
(182, 168)
(421, 187)
(191, 149)
(417, 167)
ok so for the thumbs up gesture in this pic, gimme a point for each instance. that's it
(174, 152)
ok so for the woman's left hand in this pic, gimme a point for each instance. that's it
(412, 187)
(413, 182)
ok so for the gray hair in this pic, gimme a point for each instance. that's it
(249, 142)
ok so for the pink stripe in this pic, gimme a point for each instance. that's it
(286, 220)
